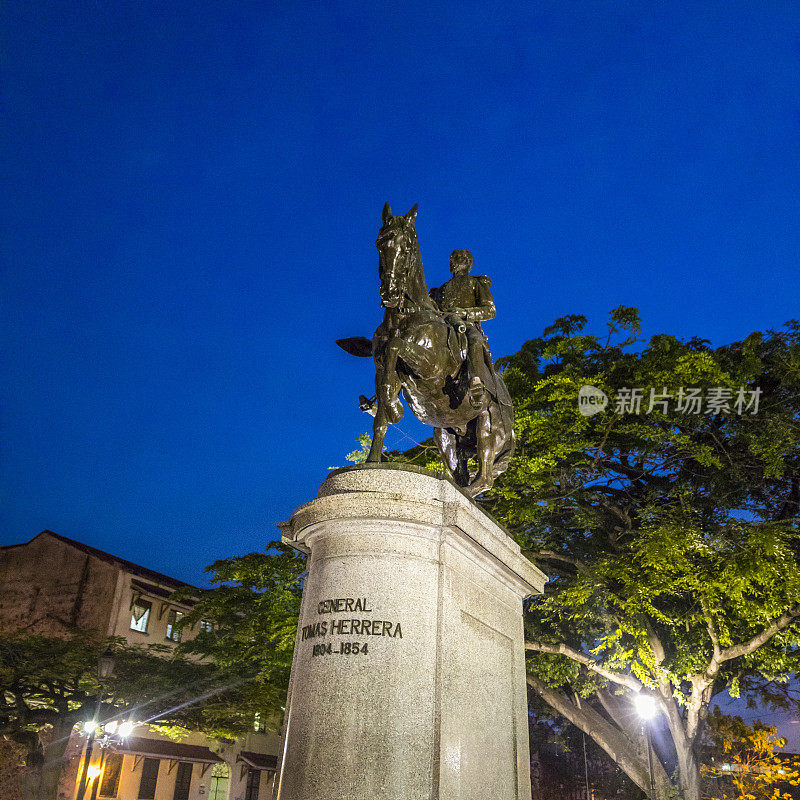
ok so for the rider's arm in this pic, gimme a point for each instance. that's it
(484, 302)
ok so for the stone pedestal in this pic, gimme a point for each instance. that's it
(408, 681)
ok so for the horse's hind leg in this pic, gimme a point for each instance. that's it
(383, 416)
(485, 454)
(455, 464)
(462, 470)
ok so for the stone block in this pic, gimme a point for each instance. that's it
(408, 680)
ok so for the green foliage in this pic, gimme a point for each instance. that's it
(744, 764)
(254, 613)
(665, 533)
(360, 456)
(657, 519)
(52, 681)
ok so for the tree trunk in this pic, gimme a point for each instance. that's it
(688, 772)
(41, 779)
(623, 751)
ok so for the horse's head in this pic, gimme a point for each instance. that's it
(399, 255)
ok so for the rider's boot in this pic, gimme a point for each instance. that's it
(476, 393)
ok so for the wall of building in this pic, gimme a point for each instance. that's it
(48, 587)
(51, 587)
(120, 622)
(200, 786)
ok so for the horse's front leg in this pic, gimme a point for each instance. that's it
(387, 391)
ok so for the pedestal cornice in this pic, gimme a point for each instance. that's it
(404, 493)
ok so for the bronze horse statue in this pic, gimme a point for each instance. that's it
(421, 350)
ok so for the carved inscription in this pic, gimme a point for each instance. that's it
(347, 626)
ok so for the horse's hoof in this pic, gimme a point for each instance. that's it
(395, 412)
(478, 486)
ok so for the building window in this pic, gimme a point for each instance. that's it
(253, 782)
(147, 786)
(183, 781)
(218, 789)
(206, 626)
(173, 630)
(140, 616)
(110, 783)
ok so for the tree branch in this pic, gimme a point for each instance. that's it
(607, 736)
(656, 644)
(784, 621)
(621, 515)
(565, 650)
(637, 474)
(552, 555)
(713, 666)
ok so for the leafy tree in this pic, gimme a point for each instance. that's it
(254, 613)
(670, 534)
(744, 758)
(670, 537)
(48, 684)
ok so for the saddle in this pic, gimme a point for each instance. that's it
(457, 345)
(456, 337)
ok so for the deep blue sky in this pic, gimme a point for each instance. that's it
(194, 190)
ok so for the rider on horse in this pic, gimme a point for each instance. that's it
(430, 349)
(467, 301)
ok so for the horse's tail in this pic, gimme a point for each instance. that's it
(502, 420)
(504, 458)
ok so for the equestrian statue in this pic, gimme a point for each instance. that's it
(431, 346)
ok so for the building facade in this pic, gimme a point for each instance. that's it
(52, 585)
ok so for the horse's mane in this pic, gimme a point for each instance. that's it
(417, 286)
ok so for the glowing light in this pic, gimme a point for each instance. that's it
(645, 706)
(89, 726)
(126, 729)
(93, 772)
(111, 727)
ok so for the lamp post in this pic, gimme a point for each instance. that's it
(105, 668)
(589, 793)
(646, 709)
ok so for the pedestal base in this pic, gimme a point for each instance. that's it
(408, 681)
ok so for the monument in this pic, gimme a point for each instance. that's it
(408, 678)
(437, 354)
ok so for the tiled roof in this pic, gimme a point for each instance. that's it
(128, 566)
(259, 760)
(159, 748)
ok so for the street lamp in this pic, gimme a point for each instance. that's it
(105, 668)
(105, 664)
(646, 708)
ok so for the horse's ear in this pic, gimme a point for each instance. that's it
(387, 213)
(412, 214)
